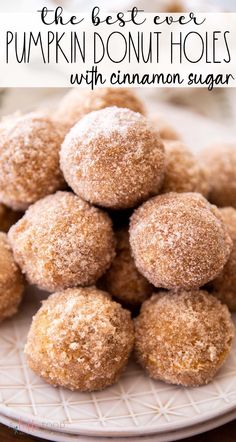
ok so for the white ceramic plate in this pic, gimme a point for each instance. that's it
(50, 434)
(136, 405)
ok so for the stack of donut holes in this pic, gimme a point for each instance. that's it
(103, 206)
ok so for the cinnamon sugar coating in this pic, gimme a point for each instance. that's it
(178, 240)
(29, 160)
(80, 339)
(219, 163)
(175, 6)
(224, 286)
(166, 131)
(79, 102)
(11, 280)
(122, 280)
(183, 337)
(183, 173)
(113, 158)
(8, 217)
(62, 242)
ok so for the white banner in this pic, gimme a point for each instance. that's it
(52, 48)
